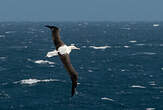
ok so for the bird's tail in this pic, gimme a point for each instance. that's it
(74, 79)
(74, 85)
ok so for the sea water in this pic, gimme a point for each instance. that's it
(120, 66)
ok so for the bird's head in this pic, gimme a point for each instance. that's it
(74, 47)
(52, 28)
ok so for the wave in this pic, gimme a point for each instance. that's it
(105, 98)
(126, 46)
(2, 36)
(10, 32)
(145, 53)
(156, 25)
(138, 86)
(162, 68)
(132, 41)
(4, 95)
(83, 46)
(125, 28)
(150, 108)
(2, 58)
(100, 47)
(140, 44)
(44, 62)
(34, 81)
(152, 83)
(90, 71)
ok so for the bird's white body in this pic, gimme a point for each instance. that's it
(61, 50)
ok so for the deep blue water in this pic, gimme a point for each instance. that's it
(126, 76)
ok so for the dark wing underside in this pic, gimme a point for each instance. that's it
(73, 74)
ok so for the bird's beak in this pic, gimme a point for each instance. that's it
(50, 27)
(77, 48)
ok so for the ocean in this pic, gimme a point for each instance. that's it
(120, 66)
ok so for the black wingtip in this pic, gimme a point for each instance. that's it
(74, 85)
(49, 26)
(73, 92)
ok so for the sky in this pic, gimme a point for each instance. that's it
(81, 10)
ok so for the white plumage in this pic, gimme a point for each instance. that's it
(62, 50)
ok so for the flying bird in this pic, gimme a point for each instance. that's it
(63, 51)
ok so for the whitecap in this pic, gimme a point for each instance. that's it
(2, 58)
(3, 95)
(132, 41)
(140, 44)
(123, 70)
(9, 32)
(125, 28)
(126, 46)
(90, 71)
(83, 46)
(105, 98)
(34, 81)
(79, 24)
(156, 25)
(149, 53)
(138, 86)
(43, 62)
(150, 108)
(100, 47)
(160, 45)
(2, 36)
(152, 83)
(144, 53)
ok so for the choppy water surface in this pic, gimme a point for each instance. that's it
(119, 64)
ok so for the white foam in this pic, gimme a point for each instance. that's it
(83, 46)
(105, 98)
(149, 53)
(144, 53)
(161, 45)
(90, 71)
(100, 47)
(2, 58)
(9, 32)
(152, 83)
(123, 70)
(34, 81)
(132, 41)
(140, 44)
(43, 62)
(138, 86)
(156, 25)
(3, 94)
(126, 46)
(126, 28)
(2, 36)
(150, 108)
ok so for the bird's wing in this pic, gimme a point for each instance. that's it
(52, 53)
(73, 74)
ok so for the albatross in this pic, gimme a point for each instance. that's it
(63, 51)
